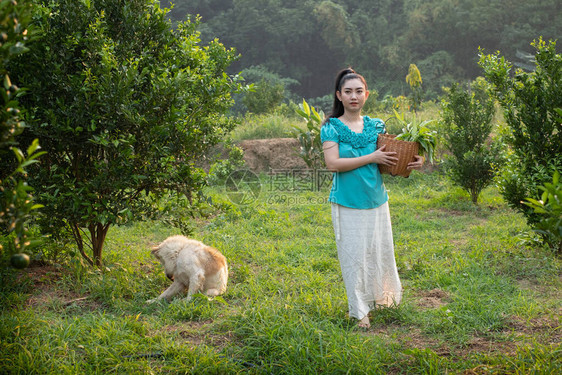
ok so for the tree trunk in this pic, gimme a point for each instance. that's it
(474, 193)
(80, 242)
(98, 232)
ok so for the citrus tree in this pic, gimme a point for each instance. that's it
(473, 157)
(124, 105)
(530, 101)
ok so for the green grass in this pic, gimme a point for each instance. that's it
(265, 126)
(477, 299)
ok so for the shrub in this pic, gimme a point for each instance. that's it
(222, 168)
(265, 97)
(549, 207)
(467, 124)
(529, 100)
(268, 92)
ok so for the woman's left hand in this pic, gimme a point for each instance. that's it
(417, 163)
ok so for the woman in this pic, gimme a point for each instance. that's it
(360, 213)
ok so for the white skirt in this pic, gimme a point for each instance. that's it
(366, 254)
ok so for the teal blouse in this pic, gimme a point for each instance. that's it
(362, 187)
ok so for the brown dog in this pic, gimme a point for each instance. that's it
(191, 265)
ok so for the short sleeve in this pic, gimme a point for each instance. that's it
(377, 124)
(328, 133)
(380, 126)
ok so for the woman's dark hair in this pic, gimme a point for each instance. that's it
(343, 76)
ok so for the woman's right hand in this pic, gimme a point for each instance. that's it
(384, 157)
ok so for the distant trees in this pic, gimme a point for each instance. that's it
(124, 106)
(309, 41)
(280, 35)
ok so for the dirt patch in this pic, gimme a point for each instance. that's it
(45, 293)
(432, 299)
(42, 280)
(517, 332)
(541, 329)
(262, 155)
(40, 274)
(196, 333)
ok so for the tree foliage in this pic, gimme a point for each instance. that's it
(530, 101)
(124, 106)
(17, 205)
(467, 119)
(268, 90)
(549, 209)
(311, 40)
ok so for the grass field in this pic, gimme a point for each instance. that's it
(479, 298)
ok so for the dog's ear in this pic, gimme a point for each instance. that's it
(155, 249)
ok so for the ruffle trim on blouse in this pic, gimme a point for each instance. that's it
(369, 135)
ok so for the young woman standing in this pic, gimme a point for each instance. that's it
(360, 213)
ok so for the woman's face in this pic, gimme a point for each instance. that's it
(353, 95)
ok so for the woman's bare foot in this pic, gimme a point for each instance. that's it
(364, 323)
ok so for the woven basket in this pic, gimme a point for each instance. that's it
(406, 152)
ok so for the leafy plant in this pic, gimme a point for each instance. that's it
(414, 131)
(222, 168)
(17, 204)
(530, 101)
(310, 143)
(467, 124)
(549, 207)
